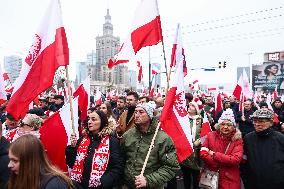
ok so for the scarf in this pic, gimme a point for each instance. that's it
(193, 126)
(99, 162)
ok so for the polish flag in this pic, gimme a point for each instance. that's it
(56, 131)
(145, 31)
(155, 70)
(275, 93)
(178, 51)
(174, 117)
(192, 85)
(218, 104)
(243, 86)
(205, 129)
(140, 72)
(48, 52)
(3, 94)
(98, 97)
(83, 93)
(144, 92)
(152, 91)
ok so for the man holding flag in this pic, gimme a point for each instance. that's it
(162, 165)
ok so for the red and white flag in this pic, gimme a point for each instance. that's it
(243, 87)
(174, 117)
(192, 85)
(155, 70)
(56, 131)
(83, 93)
(152, 91)
(218, 102)
(3, 94)
(140, 71)
(178, 51)
(275, 95)
(48, 52)
(205, 129)
(98, 97)
(145, 31)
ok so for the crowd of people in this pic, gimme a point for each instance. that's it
(245, 147)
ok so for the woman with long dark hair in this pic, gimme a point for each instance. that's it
(30, 168)
(95, 159)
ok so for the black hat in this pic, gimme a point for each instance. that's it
(59, 97)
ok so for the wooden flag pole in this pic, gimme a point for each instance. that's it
(70, 99)
(150, 148)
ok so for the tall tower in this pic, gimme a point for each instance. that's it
(108, 28)
(107, 47)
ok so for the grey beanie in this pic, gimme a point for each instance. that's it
(149, 107)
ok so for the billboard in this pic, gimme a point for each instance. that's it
(268, 75)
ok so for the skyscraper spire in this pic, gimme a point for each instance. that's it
(108, 28)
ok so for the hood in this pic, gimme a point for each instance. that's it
(108, 130)
(237, 135)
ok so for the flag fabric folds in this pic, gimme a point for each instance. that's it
(145, 31)
(83, 93)
(56, 131)
(47, 53)
(3, 94)
(178, 51)
(174, 117)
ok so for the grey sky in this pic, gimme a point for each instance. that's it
(213, 31)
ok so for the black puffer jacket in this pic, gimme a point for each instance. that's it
(4, 160)
(265, 159)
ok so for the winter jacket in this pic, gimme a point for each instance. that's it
(53, 182)
(162, 165)
(114, 170)
(123, 126)
(193, 161)
(4, 160)
(247, 125)
(227, 164)
(265, 159)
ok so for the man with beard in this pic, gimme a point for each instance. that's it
(126, 120)
(121, 103)
(162, 165)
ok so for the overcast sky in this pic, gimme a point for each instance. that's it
(213, 31)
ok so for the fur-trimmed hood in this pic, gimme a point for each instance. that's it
(237, 135)
(108, 130)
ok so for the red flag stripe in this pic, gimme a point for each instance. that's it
(41, 74)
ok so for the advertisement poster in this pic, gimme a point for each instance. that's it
(268, 75)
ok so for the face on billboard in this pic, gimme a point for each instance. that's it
(268, 76)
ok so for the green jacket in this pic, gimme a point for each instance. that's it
(162, 165)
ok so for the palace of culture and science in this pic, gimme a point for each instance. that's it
(102, 77)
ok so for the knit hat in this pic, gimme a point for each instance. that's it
(149, 107)
(263, 114)
(228, 115)
(195, 106)
(32, 120)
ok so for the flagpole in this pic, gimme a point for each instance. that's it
(150, 148)
(70, 99)
(165, 61)
(150, 83)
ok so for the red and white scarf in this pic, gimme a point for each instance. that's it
(99, 162)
